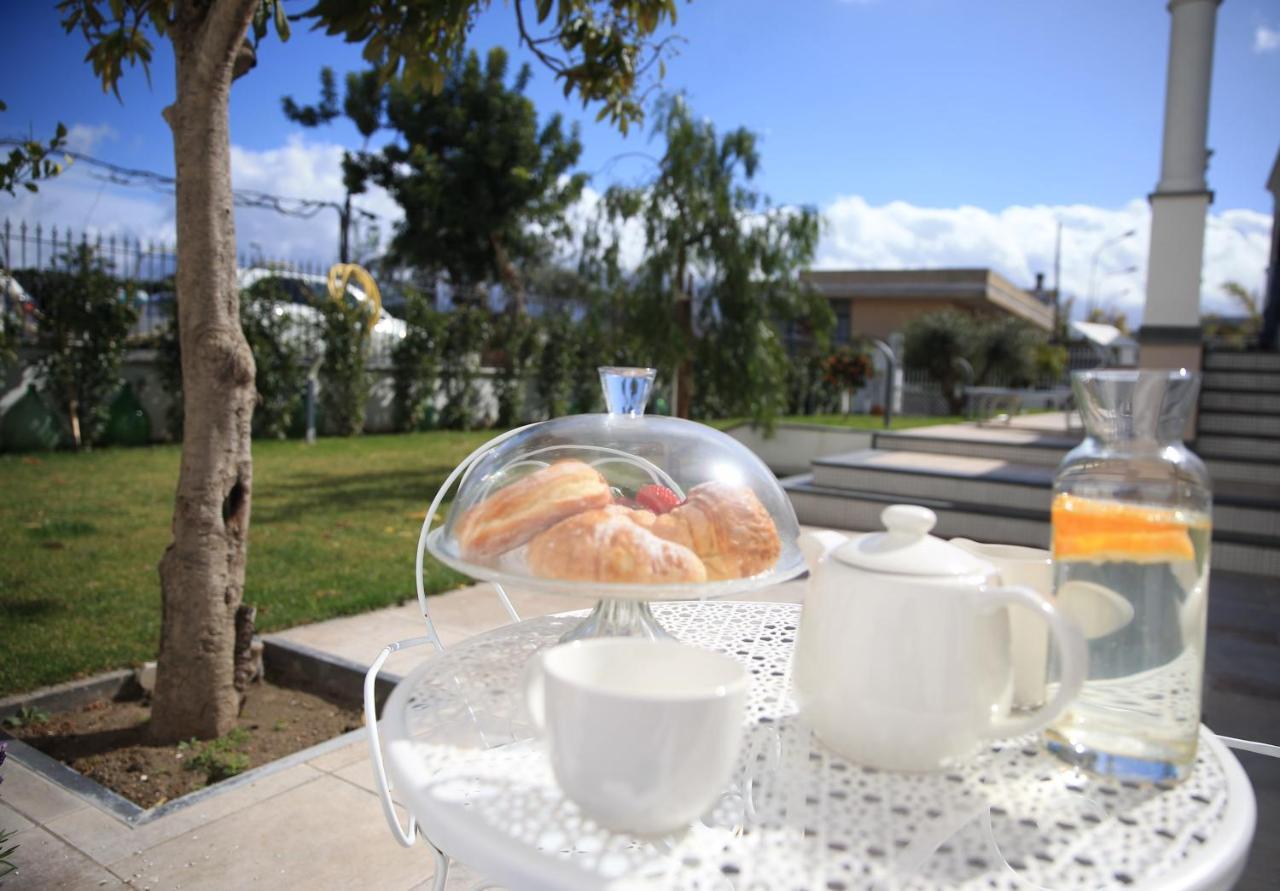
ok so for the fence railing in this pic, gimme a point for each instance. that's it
(37, 246)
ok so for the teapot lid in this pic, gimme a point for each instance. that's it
(907, 548)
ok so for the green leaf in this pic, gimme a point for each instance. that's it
(282, 22)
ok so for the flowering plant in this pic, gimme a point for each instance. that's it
(847, 369)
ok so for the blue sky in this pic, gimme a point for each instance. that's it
(898, 118)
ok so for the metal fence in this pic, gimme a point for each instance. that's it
(24, 246)
(148, 264)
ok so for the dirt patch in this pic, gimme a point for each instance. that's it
(107, 741)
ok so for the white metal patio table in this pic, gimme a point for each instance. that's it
(463, 759)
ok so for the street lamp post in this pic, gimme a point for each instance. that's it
(1093, 264)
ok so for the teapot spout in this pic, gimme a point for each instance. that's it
(816, 545)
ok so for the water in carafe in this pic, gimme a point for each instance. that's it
(1131, 536)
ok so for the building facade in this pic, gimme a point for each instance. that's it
(879, 302)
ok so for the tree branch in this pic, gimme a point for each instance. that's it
(222, 34)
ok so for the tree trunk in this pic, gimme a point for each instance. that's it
(202, 571)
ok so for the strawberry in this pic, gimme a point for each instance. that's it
(658, 499)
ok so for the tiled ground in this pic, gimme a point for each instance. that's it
(318, 825)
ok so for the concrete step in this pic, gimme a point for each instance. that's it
(1263, 471)
(1000, 444)
(913, 475)
(819, 505)
(1222, 400)
(1242, 381)
(1250, 448)
(1250, 509)
(1229, 360)
(1219, 423)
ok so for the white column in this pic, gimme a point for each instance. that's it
(1171, 319)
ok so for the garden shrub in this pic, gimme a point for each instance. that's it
(415, 363)
(554, 378)
(514, 337)
(465, 333)
(344, 383)
(85, 318)
(281, 374)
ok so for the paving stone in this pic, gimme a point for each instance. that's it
(96, 833)
(11, 820)
(46, 861)
(340, 758)
(322, 834)
(31, 795)
(188, 820)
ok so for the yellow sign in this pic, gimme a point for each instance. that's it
(341, 273)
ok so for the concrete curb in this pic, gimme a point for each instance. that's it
(286, 663)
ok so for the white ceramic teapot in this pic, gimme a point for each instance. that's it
(903, 656)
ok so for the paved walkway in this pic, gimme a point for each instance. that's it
(315, 824)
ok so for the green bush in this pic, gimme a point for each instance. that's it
(514, 337)
(415, 363)
(281, 374)
(554, 379)
(344, 382)
(465, 334)
(942, 342)
(84, 319)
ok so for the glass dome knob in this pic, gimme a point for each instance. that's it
(626, 390)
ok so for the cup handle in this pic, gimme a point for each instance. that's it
(1073, 654)
(535, 695)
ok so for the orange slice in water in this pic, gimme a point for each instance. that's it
(1092, 529)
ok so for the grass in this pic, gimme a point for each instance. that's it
(854, 422)
(333, 531)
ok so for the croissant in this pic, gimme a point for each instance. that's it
(611, 544)
(727, 527)
(518, 512)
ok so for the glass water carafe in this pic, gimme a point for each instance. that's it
(1131, 530)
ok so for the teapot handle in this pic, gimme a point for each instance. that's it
(1073, 655)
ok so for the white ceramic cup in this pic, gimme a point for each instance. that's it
(643, 735)
(1032, 568)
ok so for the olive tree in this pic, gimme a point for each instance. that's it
(598, 49)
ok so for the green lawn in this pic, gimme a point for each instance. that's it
(333, 532)
(856, 422)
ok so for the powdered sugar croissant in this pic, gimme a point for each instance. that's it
(727, 527)
(611, 544)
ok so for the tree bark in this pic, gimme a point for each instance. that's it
(202, 571)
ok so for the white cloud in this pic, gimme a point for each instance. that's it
(300, 169)
(84, 138)
(1266, 40)
(1018, 242)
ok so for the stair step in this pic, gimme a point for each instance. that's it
(1011, 445)
(909, 476)
(845, 509)
(1251, 508)
(1228, 423)
(1249, 448)
(1228, 360)
(1242, 381)
(1264, 471)
(1263, 403)
(819, 505)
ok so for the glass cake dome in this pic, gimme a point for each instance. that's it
(620, 506)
